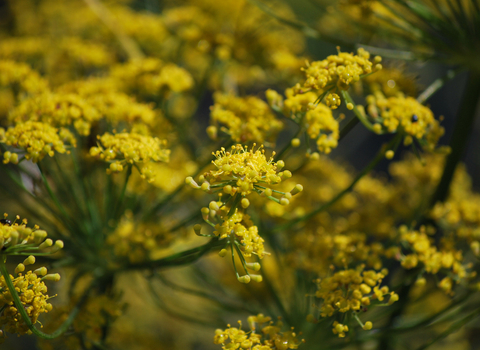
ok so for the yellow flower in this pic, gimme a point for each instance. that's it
(151, 76)
(244, 171)
(57, 109)
(348, 290)
(37, 139)
(337, 72)
(241, 228)
(32, 291)
(16, 237)
(28, 80)
(245, 118)
(269, 338)
(129, 148)
(138, 240)
(317, 117)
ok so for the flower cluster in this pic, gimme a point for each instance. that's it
(114, 106)
(241, 228)
(392, 82)
(337, 72)
(317, 118)
(424, 253)
(151, 76)
(406, 114)
(239, 173)
(244, 118)
(14, 74)
(242, 171)
(32, 293)
(18, 238)
(270, 338)
(36, 139)
(59, 110)
(138, 241)
(129, 148)
(350, 290)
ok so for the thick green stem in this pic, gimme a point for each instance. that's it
(348, 127)
(460, 137)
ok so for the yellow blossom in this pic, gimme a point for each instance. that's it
(32, 291)
(59, 110)
(348, 290)
(337, 72)
(244, 118)
(405, 113)
(129, 148)
(151, 76)
(245, 171)
(37, 139)
(263, 335)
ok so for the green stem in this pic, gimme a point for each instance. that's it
(437, 85)
(276, 299)
(185, 222)
(178, 259)
(453, 328)
(169, 311)
(200, 294)
(348, 99)
(122, 194)
(348, 127)
(427, 321)
(460, 137)
(380, 155)
(53, 196)
(23, 312)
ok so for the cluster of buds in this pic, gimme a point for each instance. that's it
(26, 286)
(270, 337)
(337, 73)
(239, 173)
(18, 239)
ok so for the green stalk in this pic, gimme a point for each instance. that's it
(348, 127)
(178, 259)
(436, 85)
(119, 204)
(430, 319)
(23, 312)
(201, 294)
(453, 328)
(53, 196)
(348, 99)
(460, 137)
